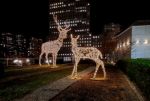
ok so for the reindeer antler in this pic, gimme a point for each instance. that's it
(56, 20)
(67, 26)
(59, 26)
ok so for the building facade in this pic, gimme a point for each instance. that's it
(34, 47)
(134, 42)
(108, 41)
(14, 45)
(21, 46)
(7, 42)
(75, 13)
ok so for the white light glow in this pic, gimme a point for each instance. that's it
(128, 42)
(48, 61)
(15, 61)
(145, 41)
(86, 53)
(54, 46)
(124, 45)
(137, 41)
(27, 60)
(20, 61)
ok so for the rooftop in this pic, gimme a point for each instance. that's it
(141, 22)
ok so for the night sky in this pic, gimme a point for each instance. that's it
(30, 17)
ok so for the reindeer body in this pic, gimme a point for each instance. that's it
(86, 53)
(52, 47)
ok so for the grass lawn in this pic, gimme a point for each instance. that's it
(19, 87)
(13, 72)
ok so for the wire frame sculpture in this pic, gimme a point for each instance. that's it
(52, 47)
(86, 53)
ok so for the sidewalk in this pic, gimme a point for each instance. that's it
(115, 88)
(49, 91)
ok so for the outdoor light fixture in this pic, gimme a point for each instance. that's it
(124, 45)
(48, 61)
(145, 41)
(18, 62)
(86, 53)
(15, 61)
(137, 41)
(128, 42)
(54, 46)
(27, 60)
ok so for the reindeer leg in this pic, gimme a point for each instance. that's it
(40, 58)
(103, 68)
(46, 56)
(74, 72)
(72, 75)
(55, 59)
(96, 69)
(76, 65)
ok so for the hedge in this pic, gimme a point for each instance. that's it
(138, 70)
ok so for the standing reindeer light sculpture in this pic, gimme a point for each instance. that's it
(52, 47)
(86, 53)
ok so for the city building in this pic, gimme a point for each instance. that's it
(97, 41)
(13, 46)
(34, 47)
(75, 13)
(7, 42)
(20, 46)
(134, 42)
(108, 42)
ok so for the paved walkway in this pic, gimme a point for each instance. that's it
(48, 92)
(115, 88)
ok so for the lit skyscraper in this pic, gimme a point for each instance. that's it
(75, 13)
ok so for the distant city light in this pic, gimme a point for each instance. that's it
(15, 61)
(46, 61)
(18, 62)
(27, 60)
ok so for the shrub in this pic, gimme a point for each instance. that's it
(138, 70)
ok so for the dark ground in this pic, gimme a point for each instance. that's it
(115, 88)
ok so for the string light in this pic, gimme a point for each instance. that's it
(54, 46)
(86, 53)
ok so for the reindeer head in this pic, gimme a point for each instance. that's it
(74, 40)
(62, 30)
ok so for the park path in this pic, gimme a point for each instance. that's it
(49, 91)
(117, 87)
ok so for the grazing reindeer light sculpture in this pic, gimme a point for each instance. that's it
(86, 53)
(54, 46)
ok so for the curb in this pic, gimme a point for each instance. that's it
(134, 88)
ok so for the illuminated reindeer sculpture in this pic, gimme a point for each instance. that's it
(86, 53)
(54, 46)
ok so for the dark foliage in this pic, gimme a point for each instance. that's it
(138, 70)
